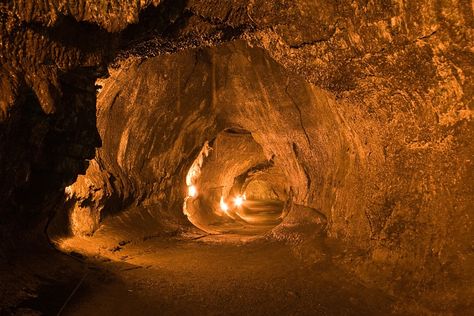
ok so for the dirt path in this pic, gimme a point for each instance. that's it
(209, 278)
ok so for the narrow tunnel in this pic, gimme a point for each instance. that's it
(246, 158)
(233, 188)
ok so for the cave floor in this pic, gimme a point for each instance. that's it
(216, 276)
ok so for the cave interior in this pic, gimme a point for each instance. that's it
(236, 158)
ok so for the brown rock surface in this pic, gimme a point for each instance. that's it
(365, 108)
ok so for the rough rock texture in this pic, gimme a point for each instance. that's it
(379, 144)
(337, 160)
(251, 92)
(51, 54)
(234, 187)
(106, 14)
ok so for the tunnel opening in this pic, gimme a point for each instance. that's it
(242, 147)
(233, 188)
(211, 147)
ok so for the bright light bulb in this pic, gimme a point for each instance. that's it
(192, 191)
(238, 200)
(224, 205)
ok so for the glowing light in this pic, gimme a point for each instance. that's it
(68, 191)
(192, 191)
(195, 171)
(224, 205)
(238, 200)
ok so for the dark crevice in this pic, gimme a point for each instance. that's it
(297, 153)
(424, 37)
(318, 40)
(299, 114)
(196, 59)
(236, 130)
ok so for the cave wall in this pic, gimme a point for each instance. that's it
(194, 95)
(394, 79)
(350, 165)
(51, 54)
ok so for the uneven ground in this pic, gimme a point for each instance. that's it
(357, 117)
(208, 278)
(193, 273)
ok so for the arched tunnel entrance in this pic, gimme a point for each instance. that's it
(233, 188)
(228, 165)
(218, 170)
(218, 173)
(229, 149)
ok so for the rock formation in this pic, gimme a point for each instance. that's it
(354, 118)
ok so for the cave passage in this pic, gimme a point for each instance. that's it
(233, 188)
(208, 180)
(228, 171)
(245, 157)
